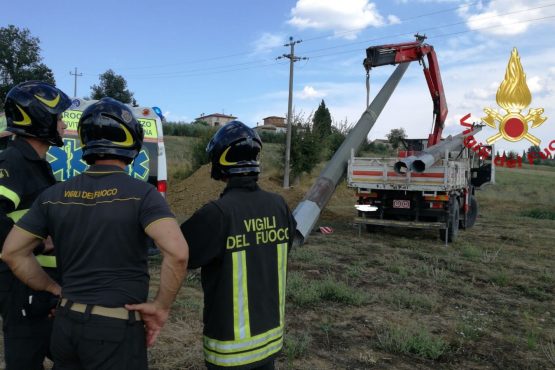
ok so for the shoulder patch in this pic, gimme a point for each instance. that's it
(4, 173)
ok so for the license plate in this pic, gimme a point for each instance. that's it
(401, 203)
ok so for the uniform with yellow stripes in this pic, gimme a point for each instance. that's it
(23, 176)
(241, 241)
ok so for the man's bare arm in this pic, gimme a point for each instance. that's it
(175, 251)
(18, 255)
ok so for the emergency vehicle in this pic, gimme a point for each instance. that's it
(66, 162)
(150, 164)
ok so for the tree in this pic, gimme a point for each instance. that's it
(113, 86)
(512, 154)
(396, 137)
(337, 136)
(534, 152)
(321, 122)
(305, 149)
(20, 60)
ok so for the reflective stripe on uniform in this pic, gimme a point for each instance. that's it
(46, 261)
(241, 320)
(282, 278)
(246, 349)
(230, 346)
(10, 194)
(16, 215)
(243, 358)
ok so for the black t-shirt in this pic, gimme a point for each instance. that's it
(97, 222)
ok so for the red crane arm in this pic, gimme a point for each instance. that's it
(409, 52)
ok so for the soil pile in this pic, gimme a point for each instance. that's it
(188, 195)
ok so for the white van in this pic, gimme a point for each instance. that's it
(150, 164)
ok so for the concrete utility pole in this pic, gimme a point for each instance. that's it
(309, 209)
(292, 59)
(75, 81)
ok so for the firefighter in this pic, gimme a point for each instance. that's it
(241, 241)
(34, 115)
(99, 222)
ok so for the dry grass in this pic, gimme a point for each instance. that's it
(397, 299)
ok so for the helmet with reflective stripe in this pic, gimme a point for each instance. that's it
(109, 129)
(32, 109)
(234, 150)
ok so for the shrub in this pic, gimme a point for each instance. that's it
(411, 340)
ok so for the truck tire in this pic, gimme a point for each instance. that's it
(453, 224)
(472, 211)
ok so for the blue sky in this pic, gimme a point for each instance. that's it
(219, 56)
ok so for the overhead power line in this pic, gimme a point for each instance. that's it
(439, 36)
(248, 52)
(261, 63)
(428, 29)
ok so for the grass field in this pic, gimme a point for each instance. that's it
(396, 299)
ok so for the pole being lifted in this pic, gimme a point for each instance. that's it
(308, 211)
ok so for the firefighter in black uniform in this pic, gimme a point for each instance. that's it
(34, 114)
(99, 222)
(241, 241)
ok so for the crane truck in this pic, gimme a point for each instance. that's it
(432, 182)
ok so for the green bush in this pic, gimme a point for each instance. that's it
(199, 156)
(411, 340)
(296, 346)
(304, 292)
(186, 129)
(540, 214)
(271, 137)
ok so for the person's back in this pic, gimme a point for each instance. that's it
(103, 259)
(100, 222)
(241, 241)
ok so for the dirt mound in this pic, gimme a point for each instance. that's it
(188, 195)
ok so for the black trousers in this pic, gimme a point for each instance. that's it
(25, 324)
(82, 341)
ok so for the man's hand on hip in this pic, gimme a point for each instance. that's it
(154, 318)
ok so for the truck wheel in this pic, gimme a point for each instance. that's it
(472, 212)
(453, 224)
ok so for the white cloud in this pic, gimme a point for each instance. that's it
(345, 18)
(310, 92)
(505, 17)
(535, 84)
(267, 42)
(426, 1)
(171, 117)
(393, 19)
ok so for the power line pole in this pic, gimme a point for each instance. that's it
(75, 81)
(292, 59)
